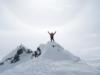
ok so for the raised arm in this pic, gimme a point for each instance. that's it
(48, 32)
(55, 32)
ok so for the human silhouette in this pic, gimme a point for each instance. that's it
(52, 35)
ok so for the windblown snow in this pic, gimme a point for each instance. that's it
(54, 60)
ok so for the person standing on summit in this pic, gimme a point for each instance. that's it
(52, 35)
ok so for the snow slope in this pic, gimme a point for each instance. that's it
(93, 58)
(94, 62)
(48, 67)
(54, 60)
(92, 54)
(54, 51)
(19, 55)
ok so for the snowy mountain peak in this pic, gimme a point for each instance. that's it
(16, 54)
(53, 51)
(50, 51)
(54, 60)
(20, 55)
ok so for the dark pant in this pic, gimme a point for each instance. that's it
(52, 39)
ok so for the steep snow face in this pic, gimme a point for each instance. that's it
(53, 51)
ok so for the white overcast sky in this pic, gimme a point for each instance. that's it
(77, 23)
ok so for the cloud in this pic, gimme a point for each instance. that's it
(44, 12)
